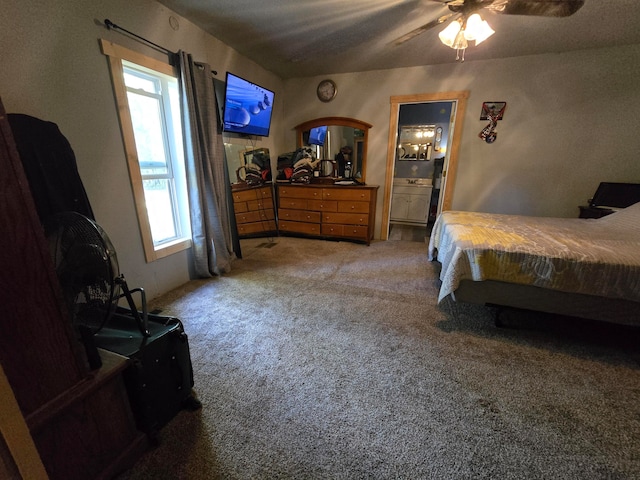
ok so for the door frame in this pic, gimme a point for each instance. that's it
(451, 162)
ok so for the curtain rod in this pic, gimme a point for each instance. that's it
(112, 26)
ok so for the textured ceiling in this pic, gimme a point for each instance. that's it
(299, 38)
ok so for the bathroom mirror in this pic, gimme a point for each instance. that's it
(343, 141)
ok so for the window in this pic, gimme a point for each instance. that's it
(147, 95)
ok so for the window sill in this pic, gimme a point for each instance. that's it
(170, 248)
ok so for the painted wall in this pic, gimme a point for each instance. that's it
(52, 68)
(571, 122)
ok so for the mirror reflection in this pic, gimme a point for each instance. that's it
(341, 144)
(240, 159)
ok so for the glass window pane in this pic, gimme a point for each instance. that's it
(147, 130)
(159, 200)
(132, 80)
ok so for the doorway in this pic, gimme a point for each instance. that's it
(449, 166)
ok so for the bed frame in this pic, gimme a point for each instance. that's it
(502, 294)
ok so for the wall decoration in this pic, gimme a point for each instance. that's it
(492, 111)
(496, 109)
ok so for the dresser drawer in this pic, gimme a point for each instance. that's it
(299, 227)
(293, 203)
(264, 192)
(256, 227)
(299, 215)
(294, 191)
(340, 193)
(346, 218)
(240, 207)
(353, 207)
(256, 216)
(244, 195)
(323, 205)
(262, 204)
(351, 231)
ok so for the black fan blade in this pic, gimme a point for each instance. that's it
(541, 8)
(427, 26)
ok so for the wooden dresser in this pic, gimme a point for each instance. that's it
(331, 211)
(254, 210)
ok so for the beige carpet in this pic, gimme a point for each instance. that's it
(331, 360)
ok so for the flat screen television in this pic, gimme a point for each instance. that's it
(317, 135)
(247, 107)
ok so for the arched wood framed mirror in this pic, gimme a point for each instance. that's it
(340, 135)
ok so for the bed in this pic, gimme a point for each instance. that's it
(587, 268)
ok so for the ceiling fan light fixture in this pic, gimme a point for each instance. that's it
(459, 33)
(477, 29)
(449, 34)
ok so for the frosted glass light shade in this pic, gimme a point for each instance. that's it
(477, 29)
(449, 34)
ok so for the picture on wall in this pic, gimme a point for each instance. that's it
(495, 109)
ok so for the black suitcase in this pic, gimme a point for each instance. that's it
(159, 380)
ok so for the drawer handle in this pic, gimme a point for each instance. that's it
(308, 217)
(352, 207)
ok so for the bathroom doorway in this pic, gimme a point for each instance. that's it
(435, 159)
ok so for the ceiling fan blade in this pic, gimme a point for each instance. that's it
(542, 8)
(427, 26)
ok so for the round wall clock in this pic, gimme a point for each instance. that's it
(326, 90)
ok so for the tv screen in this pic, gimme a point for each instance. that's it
(247, 107)
(317, 135)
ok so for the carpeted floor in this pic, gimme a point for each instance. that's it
(331, 360)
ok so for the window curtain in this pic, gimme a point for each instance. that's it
(207, 176)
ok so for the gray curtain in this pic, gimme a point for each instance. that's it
(206, 171)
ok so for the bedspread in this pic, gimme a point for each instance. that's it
(589, 256)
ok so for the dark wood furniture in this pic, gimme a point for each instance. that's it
(593, 212)
(79, 420)
(328, 211)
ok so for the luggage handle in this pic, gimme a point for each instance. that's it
(143, 323)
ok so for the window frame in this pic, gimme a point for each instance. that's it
(116, 54)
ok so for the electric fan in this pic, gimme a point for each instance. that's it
(87, 268)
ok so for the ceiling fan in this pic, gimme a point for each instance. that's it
(467, 25)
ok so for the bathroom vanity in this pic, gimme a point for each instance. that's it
(410, 201)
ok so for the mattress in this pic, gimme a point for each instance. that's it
(599, 257)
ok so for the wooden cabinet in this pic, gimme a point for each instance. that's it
(254, 210)
(410, 204)
(333, 211)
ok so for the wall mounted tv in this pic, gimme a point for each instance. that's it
(317, 135)
(247, 107)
